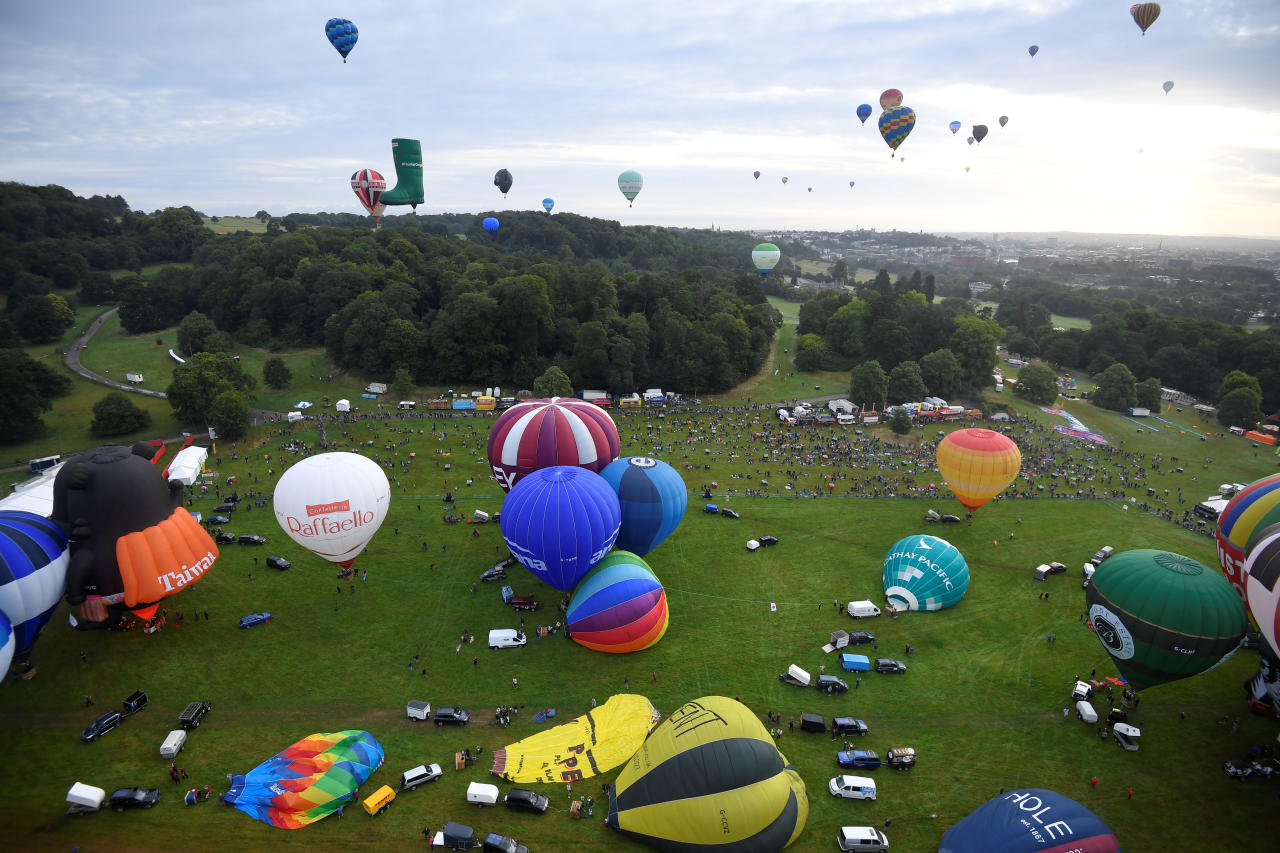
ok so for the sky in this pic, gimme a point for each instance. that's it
(234, 107)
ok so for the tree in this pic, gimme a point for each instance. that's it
(41, 319)
(116, 414)
(197, 383)
(276, 374)
(554, 382)
(229, 415)
(905, 383)
(1237, 379)
(882, 283)
(900, 422)
(974, 345)
(402, 384)
(1150, 394)
(812, 353)
(941, 373)
(1116, 388)
(1037, 383)
(193, 333)
(868, 385)
(840, 271)
(1240, 407)
(27, 387)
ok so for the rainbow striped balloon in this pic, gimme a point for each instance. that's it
(978, 464)
(619, 607)
(1251, 510)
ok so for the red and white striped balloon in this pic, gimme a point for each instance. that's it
(541, 433)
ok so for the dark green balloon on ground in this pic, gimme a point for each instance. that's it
(1162, 616)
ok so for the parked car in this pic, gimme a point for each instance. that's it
(1101, 555)
(452, 717)
(193, 714)
(420, 775)
(215, 520)
(523, 602)
(865, 838)
(101, 726)
(866, 758)
(849, 726)
(729, 513)
(225, 506)
(275, 561)
(134, 798)
(497, 843)
(768, 540)
(948, 518)
(224, 538)
(889, 666)
(255, 619)
(498, 571)
(251, 539)
(831, 684)
(824, 419)
(853, 787)
(525, 800)
(901, 757)
(857, 638)
(1056, 568)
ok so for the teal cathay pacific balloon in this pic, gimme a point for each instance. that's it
(924, 573)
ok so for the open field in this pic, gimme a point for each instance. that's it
(232, 224)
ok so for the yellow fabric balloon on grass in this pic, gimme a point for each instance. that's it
(593, 743)
(978, 464)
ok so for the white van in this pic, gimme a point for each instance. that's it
(173, 744)
(294, 417)
(506, 638)
(406, 405)
(853, 787)
(846, 420)
(480, 794)
(862, 838)
(862, 609)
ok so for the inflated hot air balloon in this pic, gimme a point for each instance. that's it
(541, 433)
(33, 574)
(490, 223)
(7, 645)
(851, 185)
(978, 464)
(1253, 508)
(1168, 84)
(710, 778)
(895, 126)
(1030, 820)
(369, 186)
(924, 573)
(864, 112)
(966, 168)
(1262, 572)
(1162, 616)
(784, 179)
(559, 522)
(970, 140)
(979, 132)
(1034, 49)
(1144, 14)
(757, 175)
(591, 744)
(630, 183)
(502, 180)
(652, 496)
(406, 155)
(547, 204)
(342, 34)
(890, 98)
(810, 189)
(308, 781)
(619, 607)
(332, 504)
(1004, 120)
(954, 126)
(133, 543)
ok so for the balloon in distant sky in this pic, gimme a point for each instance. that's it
(970, 140)
(864, 112)
(342, 34)
(490, 224)
(810, 189)
(1144, 14)
(890, 98)
(1034, 49)
(757, 175)
(1168, 84)
(630, 183)
(502, 180)
(765, 257)
(955, 125)
(979, 132)
(851, 184)
(548, 203)
(368, 186)
(1004, 120)
(784, 179)
(895, 125)
(966, 168)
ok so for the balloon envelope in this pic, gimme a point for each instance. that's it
(757, 175)
(559, 522)
(593, 743)
(502, 180)
(1034, 49)
(1262, 570)
(864, 112)
(1162, 616)
(710, 777)
(652, 497)
(547, 204)
(332, 504)
(630, 183)
(784, 179)
(896, 125)
(618, 607)
(1030, 820)
(33, 574)
(541, 433)
(978, 464)
(954, 126)
(1168, 84)
(368, 186)
(890, 98)
(970, 140)
(924, 573)
(7, 645)
(1253, 508)
(979, 132)
(1004, 120)
(490, 224)
(342, 34)
(851, 184)
(1144, 14)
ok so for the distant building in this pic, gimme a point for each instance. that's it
(978, 287)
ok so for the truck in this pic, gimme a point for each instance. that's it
(441, 402)
(1139, 411)
(35, 466)
(294, 417)
(631, 401)
(840, 407)
(599, 398)
(463, 404)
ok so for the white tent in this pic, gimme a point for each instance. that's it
(186, 466)
(35, 495)
(343, 405)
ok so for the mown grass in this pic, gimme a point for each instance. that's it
(232, 224)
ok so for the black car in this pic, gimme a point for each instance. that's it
(768, 540)
(857, 638)
(525, 800)
(452, 717)
(251, 539)
(215, 520)
(729, 513)
(498, 571)
(849, 726)
(950, 519)
(832, 684)
(224, 538)
(101, 726)
(134, 798)
(889, 665)
(497, 843)
(225, 506)
(277, 562)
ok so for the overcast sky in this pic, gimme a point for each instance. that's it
(232, 107)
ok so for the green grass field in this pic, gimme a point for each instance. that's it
(232, 224)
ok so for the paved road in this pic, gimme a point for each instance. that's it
(72, 358)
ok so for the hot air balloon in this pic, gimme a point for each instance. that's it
(1144, 14)
(559, 522)
(1030, 820)
(1034, 49)
(593, 743)
(502, 180)
(630, 183)
(979, 132)
(864, 112)
(547, 204)
(757, 175)
(490, 223)
(895, 126)
(1262, 572)
(955, 125)
(133, 543)
(1162, 616)
(890, 98)
(1004, 120)
(7, 645)
(978, 464)
(924, 573)
(541, 433)
(970, 140)
(619, 606)
(342, 34)
(308, 781)
(1253, 508)
(810, 189)
(784, 179)
(710, 777)
(33, 573)
(368, 186)
(652, 496)
(851, 185)
(1168, 84)
(406, 155)
(966, 168)
(332, 504)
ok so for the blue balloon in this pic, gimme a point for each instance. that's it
(33, 575)
(7, 645)
(1030, 819)
(342, 35)
(559, 522)
(490, 224)
(548, 203)
(864, 112)
(653, 499)
(924, 573)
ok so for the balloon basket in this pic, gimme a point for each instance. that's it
(575, 810)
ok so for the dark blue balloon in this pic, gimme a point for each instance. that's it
(864, 112)
(1031, 819)
(653, 498)
(559, 522)
(342, 34)
(490, 224)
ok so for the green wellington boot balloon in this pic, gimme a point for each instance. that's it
(407, 154)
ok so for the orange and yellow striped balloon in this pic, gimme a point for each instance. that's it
(978, 464)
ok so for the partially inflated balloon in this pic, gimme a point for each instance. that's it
(7, 645)
(342, 34)
(541, 433)
(593, 743)
(979, 132)
(1262, 571)
(653, 498)
(978, 464)
(924, 573)
(710, 778)
(618, 607)
(1034, 49)
(1255, 507)
(895, 125)
(368, 186)
(890, 98)
(490, 223)
(864, 112)
(33, 575)
(547, 204)
(630, 183)
(502, 180)
(1030, 820)
(1162, 616)
(332, 504)
(1144, 14)
(954, 126)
